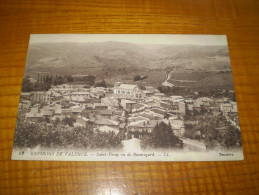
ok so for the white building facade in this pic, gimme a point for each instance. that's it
(128, 90)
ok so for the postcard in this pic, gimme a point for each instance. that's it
(127, 97)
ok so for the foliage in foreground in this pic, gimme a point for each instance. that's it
(30, 135)
(213, 129)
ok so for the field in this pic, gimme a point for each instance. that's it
(154, 77)
(202, 81)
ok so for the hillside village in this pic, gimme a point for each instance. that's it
(123, 108)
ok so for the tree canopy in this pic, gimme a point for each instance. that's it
(44, 82)
(30, 135)
(162, 136)
(211, 128)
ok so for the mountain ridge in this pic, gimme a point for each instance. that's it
(68, 55)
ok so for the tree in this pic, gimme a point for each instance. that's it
(137, 78)
(69, 78)
(162, 136)
(27, 86)
(142, 87)
(89, 80)
(58, 80)
(56, 122)
(231, 137)
(101, 84)
(30, 135)
(44, 86)
(68, 121)
(213, 130)
(166, 90)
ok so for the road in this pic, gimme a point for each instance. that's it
(166, 83)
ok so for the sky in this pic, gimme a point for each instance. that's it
(133, 38)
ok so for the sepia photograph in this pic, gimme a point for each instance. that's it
(127, 97)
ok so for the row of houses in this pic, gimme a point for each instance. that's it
(123, 108)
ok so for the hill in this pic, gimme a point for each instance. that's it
(220, 80)
(109, 59)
